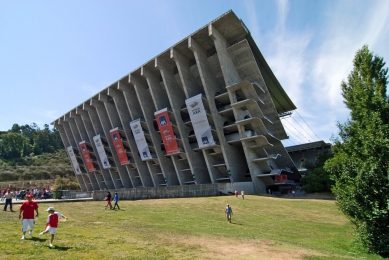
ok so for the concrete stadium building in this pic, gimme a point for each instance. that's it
(205, 111)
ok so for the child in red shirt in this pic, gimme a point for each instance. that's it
(52, 223)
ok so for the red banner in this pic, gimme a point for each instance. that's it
(86, 156)
(280, 178)
(119, 147)
(166, 130)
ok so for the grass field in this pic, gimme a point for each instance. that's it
(188, 228)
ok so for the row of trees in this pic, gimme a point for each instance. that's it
(27, 140)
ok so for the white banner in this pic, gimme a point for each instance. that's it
(199, 120)
(73, 160)
(140, 140)
(101, 151)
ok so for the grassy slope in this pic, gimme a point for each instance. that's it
(191, 228)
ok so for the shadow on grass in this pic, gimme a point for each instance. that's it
(37, 239)
(61, 248)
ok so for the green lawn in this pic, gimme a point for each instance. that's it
(188, 228)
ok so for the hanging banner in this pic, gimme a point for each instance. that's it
(86, 156)
(166, 130)
(140, 140)
(199, 120)
(101, 151)
(73, 160)
(119, 147)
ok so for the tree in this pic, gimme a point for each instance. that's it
(316, 178)
(13, 145)
(361, 151)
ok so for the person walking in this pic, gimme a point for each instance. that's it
(236, 193)
(108, 198)
(228, 212)
(116, 200)
(52, 223)
(8, 200)
(242, 193)
(27, 211)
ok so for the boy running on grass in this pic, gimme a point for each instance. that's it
(52, 223)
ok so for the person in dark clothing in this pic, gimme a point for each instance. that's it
(108, 198)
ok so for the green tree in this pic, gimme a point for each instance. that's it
(316, 178)
(361, 151)
(13, 145)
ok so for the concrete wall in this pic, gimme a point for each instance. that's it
(184, 191)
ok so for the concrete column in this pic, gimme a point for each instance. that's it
(230, 73)
(188, 81)
(114, 120)
(78, 139)
(83, 119)
(177, 98)
(226, 162)
(157, 91)
(139, 173)
(160, 164)
(84, 136)
(66, 130)
(107, 180)
(118, 170)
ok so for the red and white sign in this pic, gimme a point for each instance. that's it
(86, 156)
(166, 130)
(119, 147)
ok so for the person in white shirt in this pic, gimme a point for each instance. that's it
(52, 223)
(8, 200)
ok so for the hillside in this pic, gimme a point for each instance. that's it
(36, 171)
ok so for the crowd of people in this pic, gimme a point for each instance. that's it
(21, 194)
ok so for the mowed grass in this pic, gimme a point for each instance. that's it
(188, 228)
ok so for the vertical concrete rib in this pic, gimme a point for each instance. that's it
(231, 75)
(188, 81)
(159, 166)
(84, 136)
(102, 116)
(65, 131)
(120, 108)
(107, 179)
(138, 169)
(114, 121)
(177, 98)
(77, 137)
(90, 132)
(225, 162)
(157, 92)
(58, 125)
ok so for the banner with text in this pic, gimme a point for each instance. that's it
(140, 140)
(199, 120)
(101, 151)
(119, 147)
(73, 160)
(86, 156)
(166, 130)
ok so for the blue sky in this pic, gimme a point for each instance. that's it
(54, 55)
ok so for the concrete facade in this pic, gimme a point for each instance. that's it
(243, 102)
